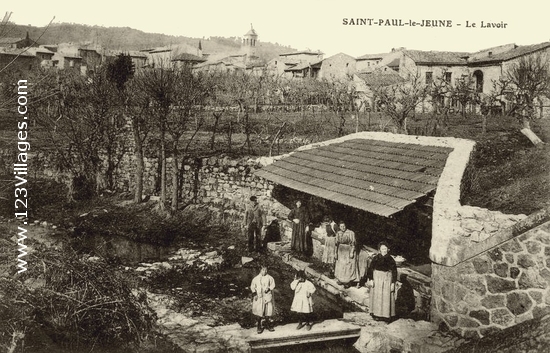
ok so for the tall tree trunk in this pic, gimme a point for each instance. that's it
(140, 169)
(175, 183)
(217, 117)
(162, 173)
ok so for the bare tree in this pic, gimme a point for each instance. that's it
(399, 101)
(465, 92)
(529, 79)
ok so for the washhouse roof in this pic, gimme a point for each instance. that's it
(377, 176)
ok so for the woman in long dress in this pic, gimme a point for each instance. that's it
(329, 252)
(301, 235)
(382, 275)
(345, 269)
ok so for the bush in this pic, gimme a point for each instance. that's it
(75, 302)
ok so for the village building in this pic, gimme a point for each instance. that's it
(338, 67)
(296, 64)
(186, 59)
(92, 57)
(245, 60)
(19, 60)
(433, 67)
(368, 61)
(17, 43)
(366, 82)
(43, 56)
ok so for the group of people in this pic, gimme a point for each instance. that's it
(350, 266)
(263, 303)
(341, 252)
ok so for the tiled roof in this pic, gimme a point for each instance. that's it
(10, 40)
(377, 176)
(307, 52)
(188, 57)
(17, 52)
(302, 66)
(512, 53)
(371, 56)
(380, 78)
(436, 57)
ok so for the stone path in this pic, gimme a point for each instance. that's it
(288, 334)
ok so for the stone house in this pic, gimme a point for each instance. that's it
(17, 43)
(159, 57)
(67, 61)
(338, 67)
(43, 56)
(19, 59)
(91, 57)
(186, 59)
(484, 67)
(280, 65)
(368, 61)
(365, 82)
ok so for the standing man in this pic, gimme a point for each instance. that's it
(254, 223)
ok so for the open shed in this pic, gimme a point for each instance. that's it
(379, 173)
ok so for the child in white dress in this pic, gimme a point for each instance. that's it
(303, 302)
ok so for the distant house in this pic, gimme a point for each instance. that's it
(305, 70)
(17, 43)
(18, 59)
(42, 55)
(139, 59)
(67, 61)
(368, 62)
(293, 64)
(186, 59)
(337, 67)
(91, 57)
(160, 57)
(483, 67)
(366, 82)
(490, 64)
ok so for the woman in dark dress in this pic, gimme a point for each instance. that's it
(382, 275)
(301, 229)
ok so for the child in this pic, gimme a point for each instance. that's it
(262, 303)
(303, 303)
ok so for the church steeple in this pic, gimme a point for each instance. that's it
(249, 42)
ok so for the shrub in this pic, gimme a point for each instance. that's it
(76, 302)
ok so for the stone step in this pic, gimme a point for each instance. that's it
(287, 335)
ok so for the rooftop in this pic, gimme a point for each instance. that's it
(379, 176)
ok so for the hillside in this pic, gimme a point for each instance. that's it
(126, 38)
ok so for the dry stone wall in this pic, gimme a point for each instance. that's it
(502, 287)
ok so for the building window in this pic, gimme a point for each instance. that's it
(448, 77)
(429, 77)
(71, 63)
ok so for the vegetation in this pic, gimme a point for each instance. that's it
(71, 302)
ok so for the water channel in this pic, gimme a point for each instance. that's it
(232, 282)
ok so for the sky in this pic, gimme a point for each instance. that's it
(311, 24)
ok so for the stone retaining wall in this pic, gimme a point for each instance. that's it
(502, 287)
